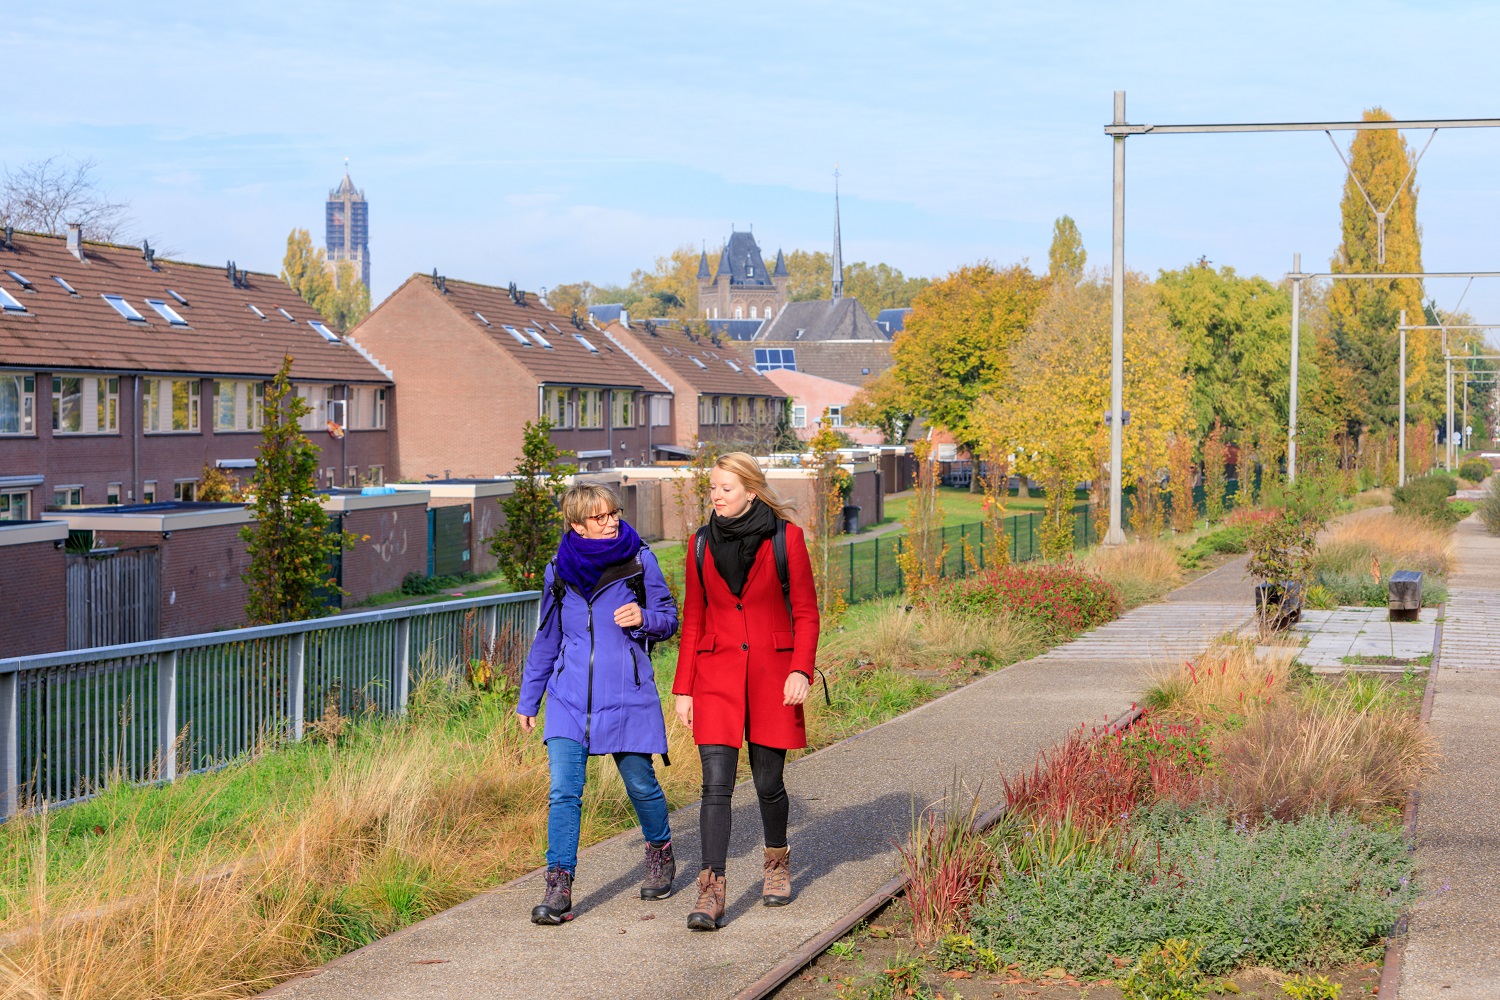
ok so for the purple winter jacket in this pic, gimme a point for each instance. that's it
(600, 687)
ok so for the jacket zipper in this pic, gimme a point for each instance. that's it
(588, 718)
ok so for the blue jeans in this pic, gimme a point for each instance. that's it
(569, 762)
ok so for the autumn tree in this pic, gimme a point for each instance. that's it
(1066, 256)
(289, 542)
(1237, 335)
(1363, 314)
(349, 300)
(831, 483)
(528, 539)
(1058, 391)
(956, 347)
(304, 268)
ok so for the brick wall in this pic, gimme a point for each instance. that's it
(34, 599)
(397, 545)
(201, 585)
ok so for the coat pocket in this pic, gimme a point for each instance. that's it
(705, 643)
(781, 640)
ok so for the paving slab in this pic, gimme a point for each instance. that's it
(1454, 945)
(851, 804)
(1337, 639)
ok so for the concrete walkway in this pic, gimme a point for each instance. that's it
(1454, 947)
(851, 804)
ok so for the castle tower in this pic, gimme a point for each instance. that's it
(347, 227)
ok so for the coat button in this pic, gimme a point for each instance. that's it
(744, 645)
(739, 607)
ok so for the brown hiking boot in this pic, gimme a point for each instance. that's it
(708, 912)
(777, 890)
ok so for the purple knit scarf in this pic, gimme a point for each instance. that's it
(581, 561)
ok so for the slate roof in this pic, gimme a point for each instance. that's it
(840, 319)
(565, 361)
(742, 261)
(738, 329)
(672, 352)
(222, 337)
(607, 313)
(850, 362)
(892, 321)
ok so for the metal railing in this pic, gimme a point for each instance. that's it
(73, 722)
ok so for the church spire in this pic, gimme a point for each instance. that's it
(838, 249)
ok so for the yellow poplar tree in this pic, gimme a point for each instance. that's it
(1363, 314)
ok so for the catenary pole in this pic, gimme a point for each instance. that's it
(1116, 533)
(1448, 410)
(1291, 420)
(1401, 444)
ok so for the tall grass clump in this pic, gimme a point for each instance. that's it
(1224, 686)
(1391, 541)
(1426, 499)
(946, 862)
(1475, 470)
(1141, 571)
(1488, 507)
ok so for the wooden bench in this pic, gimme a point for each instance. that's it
(1406, 595)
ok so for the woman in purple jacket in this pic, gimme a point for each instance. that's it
(604, 598)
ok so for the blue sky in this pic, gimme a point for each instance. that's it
(544, 143)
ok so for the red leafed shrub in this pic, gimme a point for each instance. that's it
(1061, 599)
(1097, 779)
(1247, 517)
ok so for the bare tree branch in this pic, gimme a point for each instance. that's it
(44, 196)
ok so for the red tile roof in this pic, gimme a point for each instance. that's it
(563, 360)
(223, 337)
(672, 352)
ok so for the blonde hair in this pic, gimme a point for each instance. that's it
(747, 470)
(583, 499)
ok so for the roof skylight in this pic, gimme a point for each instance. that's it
(733, 365)
(591, 348)
(555, 327)
(9, 304)
(520, 337)
(22, 281)
(180, 300)
(480, 316)
(538, 338)
(289, 317)
(167, 312)
(323, 331)
(700, 364)
(124, 308)
(255, 310)
(65, 286)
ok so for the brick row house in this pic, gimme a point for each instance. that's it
(717, 394)
(476, 362)
(122, 376)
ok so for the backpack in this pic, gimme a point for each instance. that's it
(558, 590)
(778, 551)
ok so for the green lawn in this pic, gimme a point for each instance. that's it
(962, 507)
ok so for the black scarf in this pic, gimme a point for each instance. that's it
(734, 541)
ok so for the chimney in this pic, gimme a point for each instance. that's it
(75, 239)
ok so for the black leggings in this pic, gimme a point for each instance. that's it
(720, 763)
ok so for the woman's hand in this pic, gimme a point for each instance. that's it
(685, 710)
(629, 615)
(794, 691)
(528, 722)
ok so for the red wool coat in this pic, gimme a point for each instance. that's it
(736, 653)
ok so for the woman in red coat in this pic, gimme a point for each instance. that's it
(743, 669)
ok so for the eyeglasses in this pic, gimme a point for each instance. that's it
(610, 515)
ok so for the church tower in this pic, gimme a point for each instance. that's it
(347, 227)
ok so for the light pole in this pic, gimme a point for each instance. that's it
(1401, 444)
(1291, 410)
(1116, 533)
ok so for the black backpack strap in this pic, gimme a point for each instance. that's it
(557, 591)
(637, 585)
(700, 545)
(783, 572)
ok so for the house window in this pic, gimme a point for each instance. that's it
(773, 358)
(375, 475)
(316, 397)
(768, 312)
(739, 312)
(239, 406)
(623, 407)
(835, 416)
(752, 313)
(661, 411)
(148, 491)
(172, 405)
(13, 506)
(590, 408)
(67, 496)
(17, 404)
(185, 489)
(351, 476)
(85, 405)
(557, 407)
(377, 409)
(112, 494)
(799, 416)
(705, 410)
